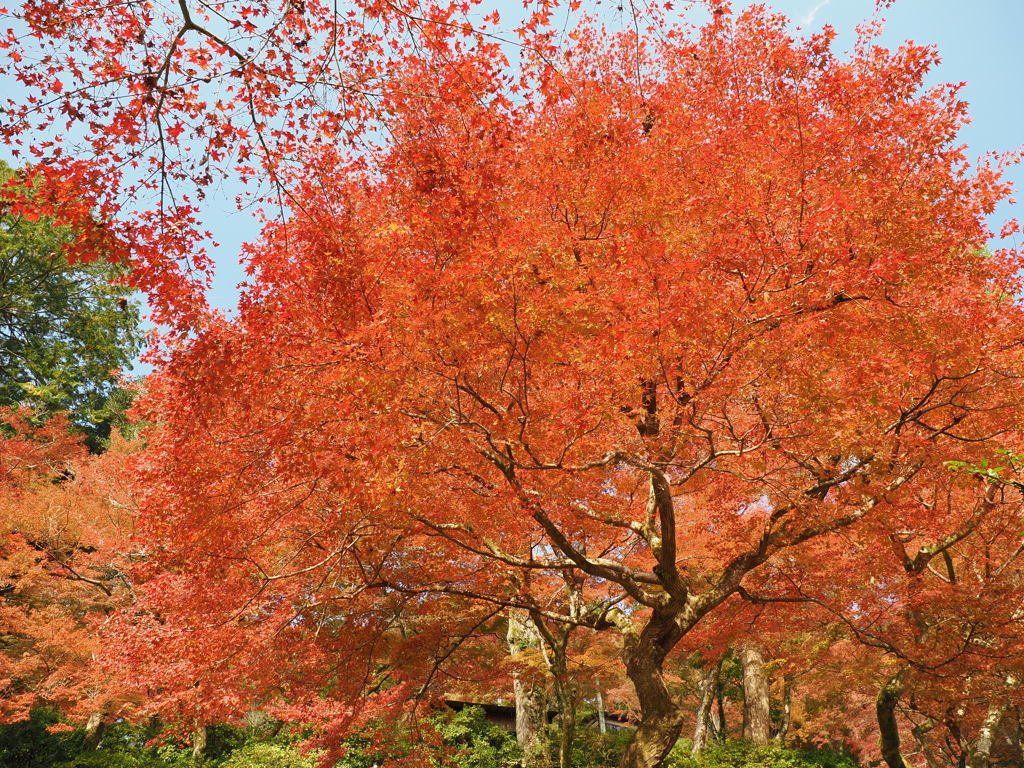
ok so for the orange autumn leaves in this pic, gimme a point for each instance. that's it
(65, 519)
(649, 320)
(666, 316)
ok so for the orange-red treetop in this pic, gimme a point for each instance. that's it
(598, 341)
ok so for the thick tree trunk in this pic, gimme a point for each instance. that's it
(661, 717)
(982, 749)
(94, 728)
(702, 733)
(531, 719)
(888, 728)
(531, 703)
(757, 715)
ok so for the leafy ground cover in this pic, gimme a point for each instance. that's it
(467, 740)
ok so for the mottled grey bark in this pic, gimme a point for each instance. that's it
(531, 701)
(757, 717)
(981, 752)
(702, 732)
(565, 699)
(199, 744)
(779, 733)
(94, 728)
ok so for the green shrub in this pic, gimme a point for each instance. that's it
(592, 749)
(469, 741)
(27, 744)
(134, 759)
(481, 744)
(269, 755)
(740, 754)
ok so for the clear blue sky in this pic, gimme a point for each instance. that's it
(979, 43)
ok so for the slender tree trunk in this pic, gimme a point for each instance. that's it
(565, 697)
(708, 690)
(531, 703)
(787, 711)
(567, 724)
(1016, 739)
(555, 644)
(982, 749)
(962, 746)
(94, 728)
(661, 717)
(718, 718)
(199, 744)
(888, 728)
(921, 737)
(757, 716)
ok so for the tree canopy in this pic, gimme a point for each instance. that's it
(670, 323)
(679, 341)
(67, 326)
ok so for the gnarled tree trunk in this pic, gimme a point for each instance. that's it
(662, 718)
(888, 728)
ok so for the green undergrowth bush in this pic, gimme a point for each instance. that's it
(593, 749)
(270, 755)
(477, 742)
(741, 754)
(28, 743)
(462, 739)
(469, 741)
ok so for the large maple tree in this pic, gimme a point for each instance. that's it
(607, 341)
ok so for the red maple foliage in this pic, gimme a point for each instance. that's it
(128, 113)
(660, 319)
